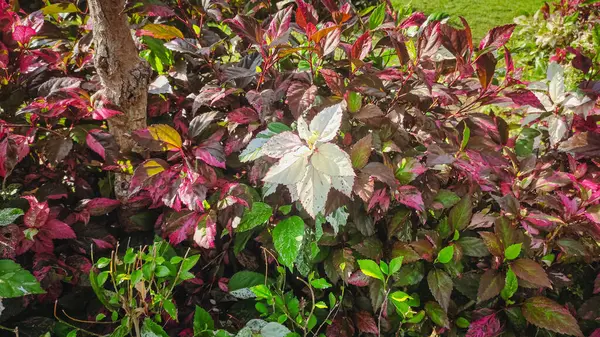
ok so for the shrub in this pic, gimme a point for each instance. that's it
(323, 164)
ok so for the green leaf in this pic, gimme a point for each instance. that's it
(371, 269)
(170, 308)
(151, 329)
(465, 139)
(354, 100)
(472, 246)
(9, 215)
(396, 264)
(441, 286)
(377, 16)
(437, 314)
(72, 333)
(100, 317)
(102, 262)
(446, 198)
(445, 255)
(245, 279)
(278, 127)
(60, 8)
(320, 283)
(189, 262)
(511, 284)
(162, 271)
(259, 214)
(545, 313)
(16, 281)
(202, 321)
(462, 323)
(513, 251)
(460, 215)
(285, 210)
(287, 238)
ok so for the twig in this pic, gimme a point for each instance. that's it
(71, 325)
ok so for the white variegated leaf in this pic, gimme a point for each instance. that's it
(556, 88)
(331, 160)
(313, 190)
(254, 149)
(303, 130)
(557, 128)
(343, 184)
(327, 123)
(290, 168)
(281, 144)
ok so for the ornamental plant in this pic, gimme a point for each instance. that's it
(332, 172)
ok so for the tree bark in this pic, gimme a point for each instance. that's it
(124, 75)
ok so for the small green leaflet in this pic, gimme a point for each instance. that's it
(445, 255)
(511, 284)
(513, 251)
(465, 139)
(202, 321)
(320, 283)
(396, 264)
(371, 269)
(287, 237)
(377, 16)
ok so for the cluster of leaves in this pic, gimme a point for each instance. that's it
(482, 191)
(564, 32)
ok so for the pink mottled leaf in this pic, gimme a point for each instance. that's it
(104, 113)
(485, 327)
(23, 34)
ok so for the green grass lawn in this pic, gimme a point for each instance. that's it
(481, 14)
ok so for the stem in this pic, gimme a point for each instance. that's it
(383, 306)
(69, 324)
(312, 308)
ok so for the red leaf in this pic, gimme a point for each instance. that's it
(485, 327)
(416, 19)
(497, 36)
(23, 34)
(94, 144)
(101, 244)
(247, 27)
(596, 333)
(306, 14)
(189, 220)
(361, 47)
(243, 115)
(280, 26)
(104, 113)
(366, 323)
(211, 151)
(334, 81)
(523, 97)
(300, 97)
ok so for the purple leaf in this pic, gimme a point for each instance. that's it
(23, 34)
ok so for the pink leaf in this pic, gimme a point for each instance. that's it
(57, 229)
(94, 144)
(38, 213)
(205, 236)
(305, 14)
(596, 333)
(101, 244)
(485, 327)
(411, 197)
(185, 230)
(23, 34)
(597, 284)
(101, 206)
(104, 113)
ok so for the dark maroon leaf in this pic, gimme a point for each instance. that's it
(490, 285)
(485, 66)
(361, 47)
(531, 272)
(524, 97)
(441, 286)
(365, 322)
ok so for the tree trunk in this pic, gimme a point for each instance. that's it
(124, 75)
